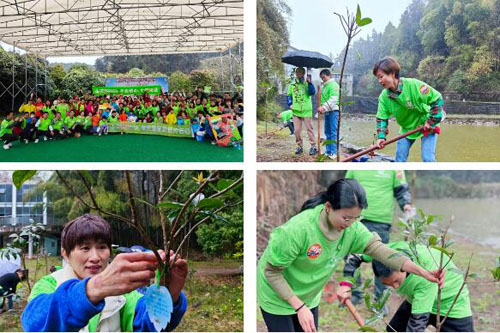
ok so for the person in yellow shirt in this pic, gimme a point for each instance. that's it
(171, 119)
(27, 108)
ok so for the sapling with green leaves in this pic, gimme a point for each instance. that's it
(178, 220)
(373, 304)
(352, 27)
(420, 239)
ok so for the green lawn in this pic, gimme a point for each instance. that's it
(215, 302)
(121, 148)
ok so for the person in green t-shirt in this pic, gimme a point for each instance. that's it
(69, 123)
(420, 306)
(412, 103)
(302, 254)
(44, 127)
(63, 109)
(382, 187)
(57, 129)
(330, 107)
(286, 117)
(299, 100)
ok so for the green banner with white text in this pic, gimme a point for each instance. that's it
(133, 90)
(182, 131)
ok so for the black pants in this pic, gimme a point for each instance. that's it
(286, 323)
(77, 128)
(290, 127)
(402, 316)
(28, 134)
(8, 138)
(59, 134)
(40, 134)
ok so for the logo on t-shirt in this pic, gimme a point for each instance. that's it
(399, 174)
(314, 251)
(424, 89)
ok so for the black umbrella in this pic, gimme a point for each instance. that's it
(308, 59)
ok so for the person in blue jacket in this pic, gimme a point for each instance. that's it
(92, 294)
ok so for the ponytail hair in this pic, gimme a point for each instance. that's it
(344, 193)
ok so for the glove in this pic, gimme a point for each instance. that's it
(435, 130)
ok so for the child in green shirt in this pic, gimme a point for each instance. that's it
(302, 254)
(420, 306)
(413, 103)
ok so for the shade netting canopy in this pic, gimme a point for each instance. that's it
(121, 27)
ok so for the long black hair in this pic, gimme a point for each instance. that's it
(344, 193)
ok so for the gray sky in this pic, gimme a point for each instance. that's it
(314, 26)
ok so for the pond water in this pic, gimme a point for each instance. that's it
(475, 219)
(456, 143)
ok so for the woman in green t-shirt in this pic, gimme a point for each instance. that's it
(412, 103)
(302, 254)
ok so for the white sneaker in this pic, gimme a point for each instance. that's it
(26, 141)
(10, 144)
(45, 138)
(6, 147)
(99, 134)
(106, 133)
(332, 157)
(36, 140)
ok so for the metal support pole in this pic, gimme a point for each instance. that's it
(13, 76)
(45, 90)
(25, 77)
(36, 75)
(240, 60)
(231, 80)
(221, 71)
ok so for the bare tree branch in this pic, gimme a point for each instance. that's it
(459, 291)
(211, 177)
(190, 231)
(218, 210)
(162, 214)
(162, 195)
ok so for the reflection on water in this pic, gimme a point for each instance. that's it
(476, 219)
(455, 143)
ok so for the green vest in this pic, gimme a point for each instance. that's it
(4, 127)
(302, 102)
(411, 108)
(57, 124)
(44, 124)
(69, 122)
(48, 285)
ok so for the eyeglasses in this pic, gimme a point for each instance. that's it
(350, 218)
